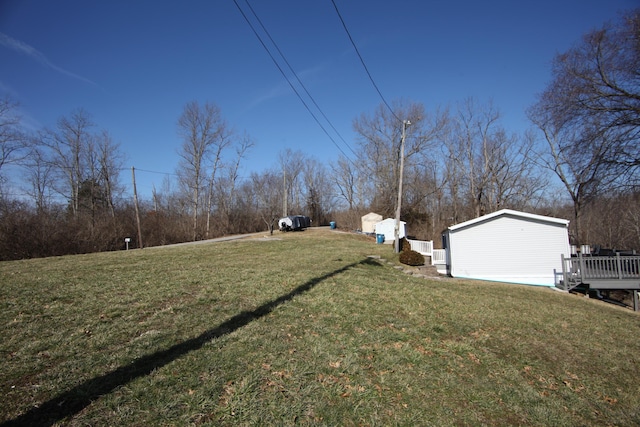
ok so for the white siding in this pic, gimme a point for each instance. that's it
(388, 228)
(509, 248)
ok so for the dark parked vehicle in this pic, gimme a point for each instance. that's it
(294, 223)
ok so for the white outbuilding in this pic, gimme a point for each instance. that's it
(508, 246)
(388, 228)
(369, 222)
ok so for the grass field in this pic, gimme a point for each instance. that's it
(302, 329)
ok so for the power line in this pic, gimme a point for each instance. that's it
(284, 58)
(344, 25)
(255, 32)
(156, 172)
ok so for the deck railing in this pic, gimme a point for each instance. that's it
(438, 256)
(422, 246)
(583, 269)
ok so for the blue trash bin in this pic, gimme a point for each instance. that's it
(380, 238)
(333, 225)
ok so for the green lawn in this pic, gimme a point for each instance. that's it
(302, 329)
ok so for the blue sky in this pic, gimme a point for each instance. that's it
(133, 65)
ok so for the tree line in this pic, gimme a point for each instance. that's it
(580, 160)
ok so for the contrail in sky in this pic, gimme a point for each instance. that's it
(33, 53)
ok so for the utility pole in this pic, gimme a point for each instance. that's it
(284, 191)
(405, 123)
(135, 202)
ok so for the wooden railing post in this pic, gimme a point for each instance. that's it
(565, 276)
(618, 265)
(583, 273)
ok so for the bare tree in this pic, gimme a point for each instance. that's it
(292, 164)
(318, 191)
(226, 187)
(595, 92)
(514, 176)
(39, 175)
(350, 192)
(110, 163)
(380, 136)
(67, 144)
(202, 129)
(267, 193)
(379, 141)
(473, 127)
(348, 182)
(612, 221)
(83, 167)
(87, 164)
(423, 197)
(598, 82)
(582, 173)
(631, 220)
(488, 169)
(453, 177)
(13, 142)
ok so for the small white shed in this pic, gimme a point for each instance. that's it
(508, 246)
(388, 228)
(369, 222)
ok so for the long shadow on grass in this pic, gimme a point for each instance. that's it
(73, 401)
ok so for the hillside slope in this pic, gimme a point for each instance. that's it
(302, 329)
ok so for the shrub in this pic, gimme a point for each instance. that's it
(410, 257)
(404, 245)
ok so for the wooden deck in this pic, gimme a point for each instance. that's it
(602, 272)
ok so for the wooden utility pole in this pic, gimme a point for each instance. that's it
(401, 172)
(135, 202)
